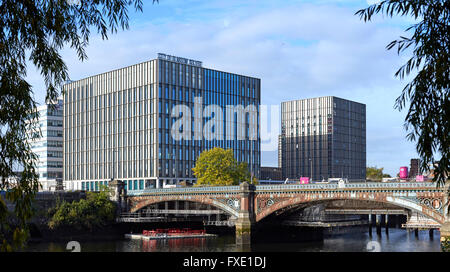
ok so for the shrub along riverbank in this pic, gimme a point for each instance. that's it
(94, 212)
(93, 217)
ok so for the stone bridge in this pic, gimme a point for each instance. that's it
(249, 204)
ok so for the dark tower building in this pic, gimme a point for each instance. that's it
(323, 138)
(414, 169)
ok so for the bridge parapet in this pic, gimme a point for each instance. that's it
(209, 189)
(334, 186)
(225, 189)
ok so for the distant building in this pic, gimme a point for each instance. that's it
(13, 180)
(323, 138)
(415, 168)
(280, 147)
(49, 147)
(271, 173)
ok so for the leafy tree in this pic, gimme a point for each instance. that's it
(218, 166)
(428, 93)
(37, 31)
(374, 173)
(94, 212)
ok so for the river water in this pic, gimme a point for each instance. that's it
(398, 240)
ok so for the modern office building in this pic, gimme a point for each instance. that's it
(323, 138)
(49, 147)
(119, 124)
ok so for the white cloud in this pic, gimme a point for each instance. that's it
(372, 2)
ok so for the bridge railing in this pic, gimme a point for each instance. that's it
(321, 186)
(162, 211)
(294, 187)
(364, 185)
(185, 190)
(391, 185)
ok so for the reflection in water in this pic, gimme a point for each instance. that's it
(185, 244)
(148, 246)
(397, 240)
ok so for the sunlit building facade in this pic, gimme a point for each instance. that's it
(119, 124)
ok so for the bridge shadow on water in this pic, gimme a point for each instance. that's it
(346, 239)
(267, 233)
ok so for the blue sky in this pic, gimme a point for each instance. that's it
(299, 49)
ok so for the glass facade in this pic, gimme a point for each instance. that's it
(323, 138)
(119, 124)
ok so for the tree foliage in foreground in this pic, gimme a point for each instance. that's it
(96, 211)
(218, 167)
(428, 115)
(35, 32)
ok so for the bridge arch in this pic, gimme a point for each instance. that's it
(139, 204)
(396, 201)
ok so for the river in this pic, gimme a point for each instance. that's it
(398, 240)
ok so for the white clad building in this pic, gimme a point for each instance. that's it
(49, 147)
